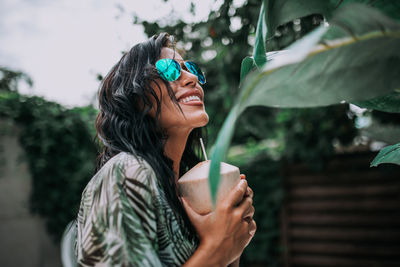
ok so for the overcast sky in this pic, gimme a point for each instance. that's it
(62, 44)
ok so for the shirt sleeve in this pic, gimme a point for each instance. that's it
(121, 228)
(138, 213)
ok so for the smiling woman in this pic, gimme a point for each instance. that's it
(151, 116)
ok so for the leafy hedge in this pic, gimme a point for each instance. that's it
(60, 151)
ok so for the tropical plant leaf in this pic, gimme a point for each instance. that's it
(389, 154)
(355, 68)
(248, 64)
(259, 46)
(362, 64)
(386, 103)
(279, 12)
(220, 149)
(225, 135)
(389, 7)
(348, 21)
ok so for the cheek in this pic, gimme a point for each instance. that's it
(170, 113)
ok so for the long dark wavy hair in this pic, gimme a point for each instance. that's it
(125, 125)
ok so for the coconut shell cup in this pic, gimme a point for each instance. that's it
(195, 188)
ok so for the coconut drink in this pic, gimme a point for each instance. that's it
(195, 188)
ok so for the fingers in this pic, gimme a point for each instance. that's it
(248, 215)
(237, 193)
(249, 229)
(249, 192)
(246, 207)
(252, 227)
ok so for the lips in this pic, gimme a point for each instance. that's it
(189, 96)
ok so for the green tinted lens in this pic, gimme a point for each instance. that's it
(168, 69)
(193, 68)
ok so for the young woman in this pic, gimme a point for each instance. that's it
(151, 114)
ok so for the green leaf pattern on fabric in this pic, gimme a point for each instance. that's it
(125, 219)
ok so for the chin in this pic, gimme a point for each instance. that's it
(204, 120)
(198, 119)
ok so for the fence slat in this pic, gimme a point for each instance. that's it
(328, 261)
(371, 177)
(345, 234)
(346, 215)
(345, 205)
(344, 249)
(340, 219)
(343, 191)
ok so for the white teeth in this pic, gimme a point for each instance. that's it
(189, 98)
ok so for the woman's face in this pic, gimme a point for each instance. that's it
(171, 118)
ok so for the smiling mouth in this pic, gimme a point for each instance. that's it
(192, 98)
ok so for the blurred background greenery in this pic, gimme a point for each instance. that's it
(61, 151)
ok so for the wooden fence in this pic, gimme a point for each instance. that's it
(347, 215)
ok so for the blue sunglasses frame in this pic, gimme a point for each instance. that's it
(170, 70)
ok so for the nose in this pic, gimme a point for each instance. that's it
(187, 78)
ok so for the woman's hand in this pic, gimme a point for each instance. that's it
(225, 232)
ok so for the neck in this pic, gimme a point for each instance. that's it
(174, 147)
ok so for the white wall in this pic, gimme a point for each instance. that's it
(24, 241)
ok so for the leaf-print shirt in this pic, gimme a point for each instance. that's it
(125, 220)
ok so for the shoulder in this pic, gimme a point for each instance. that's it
(123, 173)
(132, 172)
(127, 165)
(133, 167)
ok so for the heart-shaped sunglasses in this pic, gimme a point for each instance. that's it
(170, 70)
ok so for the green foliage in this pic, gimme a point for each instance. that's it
(389, 7)
(292, 79)
(279, 12)
(9, 79)
(286, 83)
(387, 103)
(60, 151)
(248, 64)
(259, 47)
(220, 150)
(389, 154)
(311, 132)
(88, 115)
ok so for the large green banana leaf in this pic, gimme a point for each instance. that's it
(274, 13)
(279, 12)
(386, 103)
(358, 60)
